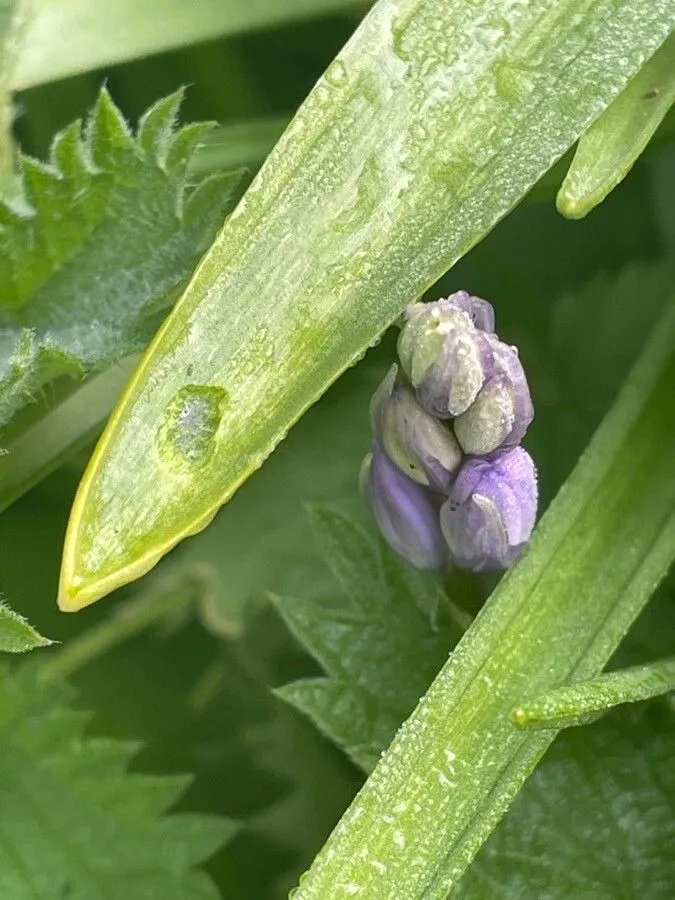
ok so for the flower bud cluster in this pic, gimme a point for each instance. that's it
(447, 479)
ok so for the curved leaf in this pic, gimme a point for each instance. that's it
(434, 120)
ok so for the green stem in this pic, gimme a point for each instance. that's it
(238, 145)
(573, 705)
(128, 620)
(46, 435)
(557, 617)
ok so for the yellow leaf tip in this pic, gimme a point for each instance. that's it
(571, 207)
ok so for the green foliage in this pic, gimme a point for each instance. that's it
(104, 233)
(16, 635)
(459, 759)
(609, 148)
(376, 641)
(99, 33)
(582, 701)
(262, 540)
(496, 91)
(595, 820)
(393, 168)
(75, 824)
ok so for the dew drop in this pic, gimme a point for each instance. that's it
(514, 81)
(322, 94)
(191, 420)
(336, 74)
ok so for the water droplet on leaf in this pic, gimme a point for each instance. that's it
(336, 73)
(186, 435)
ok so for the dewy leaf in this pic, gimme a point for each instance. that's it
(556, 617)
(417, 140)
(262, 541)
(75, 824)
(74, 36)
(594, 821)
(376, 642)
(16, 635)
(106, 231)
(610, 147)
(573, 704)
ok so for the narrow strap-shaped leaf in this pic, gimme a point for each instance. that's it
(74, 36)
(557, 617)
(416, 141)
(610, 147)
(574, 703)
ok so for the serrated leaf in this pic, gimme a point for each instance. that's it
(611, 146)
(376, 644)
(16, 635)
(403, 156)
(106, 230)
(594, 821)
(75, 824)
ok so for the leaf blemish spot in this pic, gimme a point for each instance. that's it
(186, 436)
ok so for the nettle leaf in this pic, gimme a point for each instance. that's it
(105, 232)
(376, 641)
(16, 635)
(75, 824)
(595, 819)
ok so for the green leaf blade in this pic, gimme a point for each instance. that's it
(595, 820)
(573, 704)
(16, 635)
(361, 206)
(376, 643)
(110, 838)
(610, 147)
(98, 34)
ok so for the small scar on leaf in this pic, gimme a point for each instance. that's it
(649, 95)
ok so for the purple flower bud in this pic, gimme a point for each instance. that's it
(489, 516)
(500, 414)
(445, 355)
(481, 312)
(420, 445)
(406, 512)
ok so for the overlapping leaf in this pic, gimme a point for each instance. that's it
(595, 820)
(104, 233)
(376, 641)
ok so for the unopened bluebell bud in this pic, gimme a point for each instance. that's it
(490, 514)
(445, 355)
(406, 512)
(502, 411)
(481, 312)
(421, 446)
